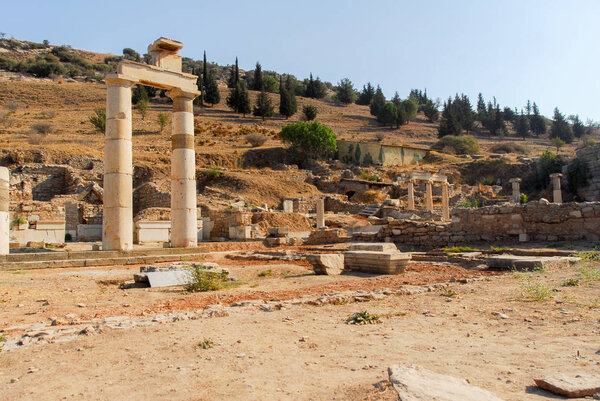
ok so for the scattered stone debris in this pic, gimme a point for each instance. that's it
(570, 386)
(414, 383)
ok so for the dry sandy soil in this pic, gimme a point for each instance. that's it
(300, 352)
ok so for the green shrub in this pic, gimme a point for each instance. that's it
(461, 145)
(539, 178)
(207, 343)
(44, 69)
(312, 138)
(204, 280)
(2, 341)
(589, 256)
(363, 317)
(99, 119)
(213, 173)
(523, 199)
(509, 147)
(571, 282)
(163, 119)
(369, 177)
(18, 221)
(474, 201)
(310, 112)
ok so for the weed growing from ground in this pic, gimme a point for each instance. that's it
(363, 317)
(2, 341)
(590, 274)
(450, 293)
(590, 256)
(534, 289)
(207, 343)
(571, 282)
(203, 280)
(265, 273)
(457, 249)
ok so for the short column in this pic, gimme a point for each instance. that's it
(320, 213)
(556, 192)
(117, 221)
(4, 205)
(429, 196)
(184, 225)
(411, 195)
(445, 202)
(516, 190)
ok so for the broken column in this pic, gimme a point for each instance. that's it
(429, 196)
(184, 224)
(117, 222)
(516, 190)
(320, 213)
(4, 204)
(556, 192)
(445, 202)
(411, 195)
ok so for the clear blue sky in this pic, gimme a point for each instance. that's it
(543, 50)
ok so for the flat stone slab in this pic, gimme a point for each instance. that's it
(387, 262)
(525, 262)
(169, 278)
(373, 247)
(570, 386)
(327, 263)
(417, 384)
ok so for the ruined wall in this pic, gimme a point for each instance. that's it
(150, 195)
(541, 221)
(591, 156)
(223, 219)
(376, 153)
(337, 205)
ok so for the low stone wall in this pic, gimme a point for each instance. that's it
(540, 221)
(591, 156)
(150, 195)
(337, 205)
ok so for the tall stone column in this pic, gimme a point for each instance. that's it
(184, 224)
(4, 217)
(117, 222)
(516, 190)
(320, 214)
(445, 202)
(556, 192)
(429, 196)
(411, 195)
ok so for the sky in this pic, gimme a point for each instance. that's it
(542, 50)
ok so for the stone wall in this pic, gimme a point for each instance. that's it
(540, 221)
(223, 219)
(150, 195)
(339, 205)
(591, 156)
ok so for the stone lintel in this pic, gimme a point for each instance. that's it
(120, 79)
(157, 77)
(163, 43)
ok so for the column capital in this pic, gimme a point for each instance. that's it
(180, 93)
(120, 79)
(513, 180)
(556, 175)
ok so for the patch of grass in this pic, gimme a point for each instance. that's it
(589, 256)
(2, 341)
(204, 280)
(499, 249)
(536, 290)
(448, 292)
(570, 282)
(18, 272)
(590, 274)
(457, 249)
(265, 273)
(213, 173)
(363, 317)
(369, 177)
(207, 343)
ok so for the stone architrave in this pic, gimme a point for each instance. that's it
(117, 221)
(411, 195)
(320, 214)
(4, 216)
(164, 73)
(429, 195)
(184, 229)
(516, 190)
(556, 191)
(445, 202)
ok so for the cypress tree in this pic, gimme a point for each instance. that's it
(287, 99)
(205, 77)
(258, 84)
(310, 87)
(377, 102)
(289, 86)
(481, 110)
(264, 107)
(235, 75)
(400, 111)
(212, 94)
(233, 99)
(244, 105)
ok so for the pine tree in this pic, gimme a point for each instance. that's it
(578, 127)
(345, 92)
(481, 109)
(211, 92)
(449, 124)
(400, 112)
(388, 114)
(431, 110)
(561, 128)
(537, 122)
(234, 78)
(528, 108)
(258, 84)
(377, 102)
(466, 117)
(366, 95)
(522, 126)
(264, 107)
(244, 106)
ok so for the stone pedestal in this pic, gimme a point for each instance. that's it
(445, 202)
(288, 206)
(411, 195)
(516, 190)
(320, 213)
(556, 191)
(184, 227)
(117, 222)
(4, 217)
(429, 196)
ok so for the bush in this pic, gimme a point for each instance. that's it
(204, 280)
(363, 317)
(213, 173)
(462, 145)
(99, 119)
(163, 119)
(312, 138)
(256, 139)
(42, 128)
(369, 177)
(509, 147)
(44, 69)
(48, 114)
(310, 112)
(523, 199)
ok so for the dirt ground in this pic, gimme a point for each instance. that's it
(490, 332)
